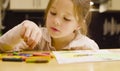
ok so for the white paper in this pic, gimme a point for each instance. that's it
(64, 57)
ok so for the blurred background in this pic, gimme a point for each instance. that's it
(104, 27)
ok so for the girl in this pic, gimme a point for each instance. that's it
(66, 29)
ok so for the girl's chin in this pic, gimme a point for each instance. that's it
(55, 36)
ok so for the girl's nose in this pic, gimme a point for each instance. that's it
(57, 22)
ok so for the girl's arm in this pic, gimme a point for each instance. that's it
(10, 38)
(27, 31)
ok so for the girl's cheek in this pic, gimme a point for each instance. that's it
(48, 21)
(64, 26)
(49, 18)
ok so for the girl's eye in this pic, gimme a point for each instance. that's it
(67, 19)
(53, 13)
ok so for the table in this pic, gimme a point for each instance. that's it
(54, 66)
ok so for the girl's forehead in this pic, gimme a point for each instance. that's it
(64, 5)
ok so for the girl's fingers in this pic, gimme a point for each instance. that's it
(35, 37)
(23, 31)
(32, 38)
(33, 45)
(30, 32)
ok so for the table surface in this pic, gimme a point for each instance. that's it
(54, 66)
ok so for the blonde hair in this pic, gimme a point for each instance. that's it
(81, 11)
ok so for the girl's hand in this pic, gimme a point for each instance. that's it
(31, 33)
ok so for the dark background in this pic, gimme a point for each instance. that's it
(96, 30)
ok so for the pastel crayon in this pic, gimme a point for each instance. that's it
(0, 56)
(41, 54)
(36, 60)
(15, 53)
(12, 59)
(39, 57)
(25, 54)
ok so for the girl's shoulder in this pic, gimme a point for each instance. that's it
(83, 40)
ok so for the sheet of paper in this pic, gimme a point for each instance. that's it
(64, 57)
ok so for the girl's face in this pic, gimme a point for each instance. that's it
(60, 20)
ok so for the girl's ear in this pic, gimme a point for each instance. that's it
(78, 28)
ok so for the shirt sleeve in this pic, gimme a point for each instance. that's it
(10, 38)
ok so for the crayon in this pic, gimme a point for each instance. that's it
(12, 59)
(0, 56)
(36, 61)
(25, 54)
(11, 56)
(15, 53)
(41, 54)
(45, 54)
(39, 57)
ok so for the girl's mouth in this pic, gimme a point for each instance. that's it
(54, 29)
